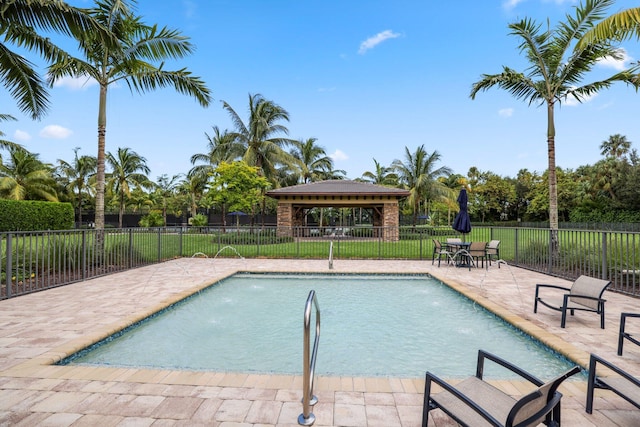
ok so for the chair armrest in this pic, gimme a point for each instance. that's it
(505, 364)
(543, 285)
(585, 297)
(625, 315)
(594, 360)
(464, 399)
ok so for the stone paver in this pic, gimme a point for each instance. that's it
(39, 329)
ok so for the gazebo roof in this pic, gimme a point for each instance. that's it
(338, 187)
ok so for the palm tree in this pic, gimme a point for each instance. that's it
(554, 73)
(20, 21)
(165, 188)
(313, 164)
(76, 176)
(129, 171)
(419, 175)
(25, 177)
(381, 175)
(193, 188)
(130, 60)
(220, 149)
(259, 140)
(617, 146)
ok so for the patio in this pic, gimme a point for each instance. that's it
(41, 328)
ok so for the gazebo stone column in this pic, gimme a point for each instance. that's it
(285, 220)
(390, 223)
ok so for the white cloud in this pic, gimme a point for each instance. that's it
(21, 136)
(617, 64)
(327, 89)
(372, 42)
(190, 8)
(338, 155)
(505, 112)
(55, 132)
(75, 83)
(510, 4)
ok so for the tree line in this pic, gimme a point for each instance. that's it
(117, 46)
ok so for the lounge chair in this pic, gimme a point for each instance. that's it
(474, 402)
(621, 383)
(440, 251)
(493, 251)
(624, 335)
(585, 294)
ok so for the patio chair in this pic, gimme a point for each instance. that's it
(474, 402)
(453, 240)
(440, 251)
(478, 252)
(585, 294)
(493, 251)
(623, 334)
(621, 383)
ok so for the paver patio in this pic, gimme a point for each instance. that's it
(39, 329)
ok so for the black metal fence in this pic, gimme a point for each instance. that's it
(34, 261)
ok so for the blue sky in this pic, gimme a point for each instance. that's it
(366, 78)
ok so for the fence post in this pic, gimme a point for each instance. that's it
(83, 263)
(130, 263)
(515, 242)
(550, 257)
(9, 281)
(159, 244)
(605, 270)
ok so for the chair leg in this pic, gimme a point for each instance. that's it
(623, 320)
(591, 385)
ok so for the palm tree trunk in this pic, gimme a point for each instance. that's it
(553, 180)
(100, 174)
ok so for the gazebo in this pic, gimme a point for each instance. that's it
(383, 202)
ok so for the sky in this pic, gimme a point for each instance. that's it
(367, 78)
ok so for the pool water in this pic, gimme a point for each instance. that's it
(371, 325)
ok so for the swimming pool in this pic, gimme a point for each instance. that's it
(372, 325)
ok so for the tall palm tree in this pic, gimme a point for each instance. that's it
(381, 175)
(19, 22)
(25, 177)
(260, 139)
(617, 146)
(554, 73)
(419, 175)
(76, 176)
(130, 171)
(220, 149)
(313, 164)
(131, 60)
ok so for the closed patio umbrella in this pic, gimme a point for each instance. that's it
(462, 222)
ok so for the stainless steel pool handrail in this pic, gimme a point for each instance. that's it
(331, 255)
(309, 361)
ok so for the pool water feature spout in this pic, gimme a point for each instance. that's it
(331, 255)
(228, 247)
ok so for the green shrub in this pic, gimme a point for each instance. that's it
(30, 215)
(152, 219)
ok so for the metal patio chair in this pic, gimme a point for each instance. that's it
(474, 402)
(624, 334)
(621, 383)
(493, 251)
(585, 294)
(440, 251)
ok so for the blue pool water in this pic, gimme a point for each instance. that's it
(372, 325)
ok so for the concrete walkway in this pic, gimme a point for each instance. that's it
(39, 329)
